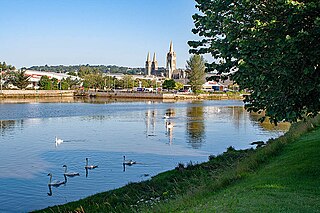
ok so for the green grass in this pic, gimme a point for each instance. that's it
(283, 176)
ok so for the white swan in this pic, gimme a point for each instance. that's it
(70, 174)
(166, 117)
(128, 162)
(89, 166)
(55, 182)
(58, 141)
(169, 125)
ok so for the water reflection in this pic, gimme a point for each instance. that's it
(195, 124)
(9, 125)
(169, 130)
(150, 121)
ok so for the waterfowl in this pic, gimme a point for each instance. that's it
(55, 182)
(58, 141)
(169, 125)
(89, 166)
(128, 162)
(166, 117)
(70, 174)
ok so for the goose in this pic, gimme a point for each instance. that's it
(128, 162)
(89, 166)
(58, 141)
(70, 174)
(55, 182)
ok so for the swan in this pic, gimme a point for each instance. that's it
(55, 182)
(89, 166)
(58, 141)
(166, 117)
(70, 174)
(128, 162)
(169, 125)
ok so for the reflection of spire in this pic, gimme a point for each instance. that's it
(150, 122)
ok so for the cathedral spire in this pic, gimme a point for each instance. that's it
(148, 65)
(148, 57)
(154, 57)
(171, 47)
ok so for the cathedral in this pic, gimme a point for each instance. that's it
(151, 67)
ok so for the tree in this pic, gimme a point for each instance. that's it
(273, 48)
(196, 66)
(93, 80)
(19, 79)
(178, 86)
(45, 83)
(168, 84)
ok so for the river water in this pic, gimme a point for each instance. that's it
(104, 131)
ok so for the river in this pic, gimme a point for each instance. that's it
(103, 131)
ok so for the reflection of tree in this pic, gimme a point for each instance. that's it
(9, 125)
(267, 125)
(195, 125)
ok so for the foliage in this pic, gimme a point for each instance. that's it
(128, 81)
(93, 80)
(178, 86)
(274, 47)
(45, 83)
(5, 67)
(19, 79)
(196, 67)
(169, 84)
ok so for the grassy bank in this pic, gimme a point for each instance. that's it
(282, 176)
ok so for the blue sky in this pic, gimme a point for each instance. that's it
(70, 32)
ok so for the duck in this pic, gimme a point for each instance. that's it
(58, 141)
(69, 174)
(55, 182)
(89, 166)
(128, 162)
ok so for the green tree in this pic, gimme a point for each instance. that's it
(94, 80)
(128, 81)
(196, 66)
(178, 86)
(19, 79)
(45, 83)
(168, 84)
(273, 47)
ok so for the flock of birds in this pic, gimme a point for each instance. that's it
(87, 166)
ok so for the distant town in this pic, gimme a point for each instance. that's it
(150, 78)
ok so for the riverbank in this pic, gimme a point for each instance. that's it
(163, 96)
(35, 93)
(117, 94)
(281, 176)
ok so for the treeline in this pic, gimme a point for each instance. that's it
(4, 66)
(98, 68)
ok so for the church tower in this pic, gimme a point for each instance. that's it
(171, 61)
(154, 65)
(148, 65)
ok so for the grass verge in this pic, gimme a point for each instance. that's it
(237, 181)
